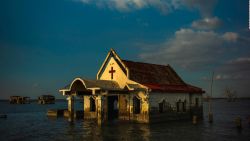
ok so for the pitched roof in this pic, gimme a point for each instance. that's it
(161, 78)
(146, 73)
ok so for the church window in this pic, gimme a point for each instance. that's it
(181, 106)
(162, 106)
(184, 105)
(136, 105)
(196, 102)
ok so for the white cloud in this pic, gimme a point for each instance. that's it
(205, 6)
(231, 36)
(222, 77)
(207, 23)
(218, 77)
(35, 85)
(236, 69)
(238, 65)
(235, 74)
(130, 5)
(189, 49)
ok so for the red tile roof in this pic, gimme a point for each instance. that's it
(158, 78)
(174, 88)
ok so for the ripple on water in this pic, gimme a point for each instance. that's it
(29, 122)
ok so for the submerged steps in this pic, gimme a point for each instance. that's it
(55, 112)
(63, 113)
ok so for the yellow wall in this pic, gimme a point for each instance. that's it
(119, 76)
(86, 103)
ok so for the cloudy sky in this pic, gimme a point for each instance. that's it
(44, 44)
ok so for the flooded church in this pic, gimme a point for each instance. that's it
(134, 91)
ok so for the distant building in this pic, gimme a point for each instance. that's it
(19, 100)
(135, 91)
(46, 99)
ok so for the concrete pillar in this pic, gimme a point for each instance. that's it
(210, 117)
(238, 122)
(99, 101)
(71, 107)
(83, 106)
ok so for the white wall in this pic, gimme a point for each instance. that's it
(171, 98)
(194, 96)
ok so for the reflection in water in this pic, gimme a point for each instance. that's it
(139, 132)
(89, 130)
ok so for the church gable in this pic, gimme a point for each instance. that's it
(113, 69)
(158, 78)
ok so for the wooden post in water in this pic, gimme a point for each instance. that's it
(194, 119)
(238, 122)
(248, 120)
(71, 107)
(210, 114)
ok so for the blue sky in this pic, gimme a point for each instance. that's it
(44, 44)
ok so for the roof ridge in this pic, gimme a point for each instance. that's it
(184, 84)
(167, 65)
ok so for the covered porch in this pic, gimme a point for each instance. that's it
(100, 99)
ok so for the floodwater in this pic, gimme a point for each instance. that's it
(29, 122)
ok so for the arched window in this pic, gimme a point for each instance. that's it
(184, 105)
(136, 105)
(181, 106)
(162, 106)
(92, 104)
(196, 102)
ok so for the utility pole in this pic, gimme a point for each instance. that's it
(210, 114)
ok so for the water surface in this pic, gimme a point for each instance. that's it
(29, 122)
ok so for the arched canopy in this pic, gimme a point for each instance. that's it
(78, 85)
(81, 86)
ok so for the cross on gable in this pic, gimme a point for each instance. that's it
(112, 71)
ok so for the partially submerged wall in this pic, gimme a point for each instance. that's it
(88, 113)
(174, 106)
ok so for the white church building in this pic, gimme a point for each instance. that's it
(134, 91)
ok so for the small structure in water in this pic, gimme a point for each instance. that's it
(3, 116)
(19, 100)
(46, 99)
(55, 112)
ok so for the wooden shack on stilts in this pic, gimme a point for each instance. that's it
(19, 100)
